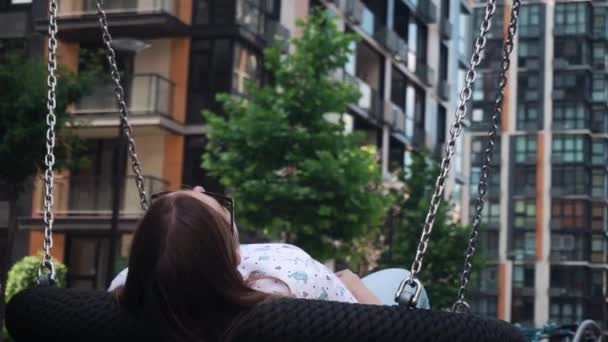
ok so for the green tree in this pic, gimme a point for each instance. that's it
(292, 172)
(23, 130)
(444, 257)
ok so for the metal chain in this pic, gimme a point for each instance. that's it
(119, 93)
(46, 271)
(461, 305)
(450, 149)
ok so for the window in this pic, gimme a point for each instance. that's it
(568, 149)
(568, 214)
(485, 87)
(478, 150)
(572, 52)
(599, 90)
(529, 54)
(490, 214)
(528, 116)
(524, 180)
(488, 279)
(246, 68)
(566, 312)
(529, 87)
(571, 180)
(251, 15)
(570, 116)
(522, 310)
(524, 214)
(489, 244)
(571, 18)
(597, 248)
(530, 20)
(599, 152)
(599, 53)
(571, 86)
(524, 246)
(493, 181)
(523, 276)
(484, 305)
(599, 217)
(497, 26)
(568, 247)
(525, 149)
(599, 184)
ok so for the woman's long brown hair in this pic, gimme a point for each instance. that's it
(183, 276)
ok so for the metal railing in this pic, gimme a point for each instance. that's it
(370, 100)
(425, 73)
(149, 94)
(92, 195)
(88, 7)
(446, 28)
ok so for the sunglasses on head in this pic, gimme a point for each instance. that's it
(223, 200)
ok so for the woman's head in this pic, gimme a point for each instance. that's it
(183, 267)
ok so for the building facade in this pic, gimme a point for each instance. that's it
(176, 55)
(547, 207)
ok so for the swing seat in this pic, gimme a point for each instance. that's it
(56, 314)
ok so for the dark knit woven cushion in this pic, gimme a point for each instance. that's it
(52, 314)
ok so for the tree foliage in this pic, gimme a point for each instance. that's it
(24, 275)
(444, 257)
(23, 114)
(291, 171)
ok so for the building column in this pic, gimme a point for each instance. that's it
(386, 129)
(543, 237)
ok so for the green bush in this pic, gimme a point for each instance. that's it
(24, 274)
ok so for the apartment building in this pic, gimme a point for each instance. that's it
(547, 212)
(176, 55)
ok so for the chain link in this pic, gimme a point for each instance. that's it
(46, 271)
(119, 93)
(450, 149)
(461, 304)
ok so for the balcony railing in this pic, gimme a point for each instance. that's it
(393, 43)
(69, 8)
(446, 29)
(427, 11)
(92, 196)
(253, 15)
(567, 30)
(360, 15)
(425, 73)
(443, 90)
(530, 31)
(370, 101)
(148, 94)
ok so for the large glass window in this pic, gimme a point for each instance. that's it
(523, 276)
(597, 248)
(571, 86)
(524, 213)
(566, 312)
(599, 182)
(571, 17)
(524, 180)
(528, 116)
(485, 305)
(493, 180)
(528, 51)
(599, 152)
(571, 281)
(529, 87)
(568, 247)
(525, 149)
(599, 216)
(478, 150)
(489, 244)
(570, 180)
(490, 215)
(497, 26)
(530, 20)
(572, 52)
(246, 68)
(524, 245)
(568, 214)
(568, 149)
(522, 310)
(570, 115)
(599, 88)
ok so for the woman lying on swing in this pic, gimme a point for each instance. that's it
(186, 274)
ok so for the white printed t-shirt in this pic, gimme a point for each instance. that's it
(283, 269)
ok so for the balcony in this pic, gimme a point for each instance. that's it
(419, 137)
(148, 95)
(89, 196)
(575, 94)
(446, 29)
(358, 14)
(425, 73)
(370, 103)
(78, 21)
(443, 90)
(14, 24)
(256, 23)
(599, 119)
(425, 9)
(391, 41)
(564, 64)
(402, 128)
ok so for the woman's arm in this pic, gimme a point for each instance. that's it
(358, 289)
